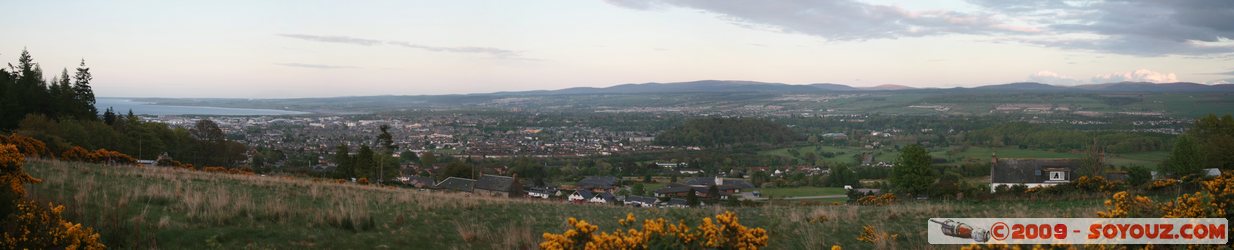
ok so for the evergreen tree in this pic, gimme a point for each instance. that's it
(109, 117)
(83, 94)
(364, 162)
(692, 198)
(342, 160)
(912, 173)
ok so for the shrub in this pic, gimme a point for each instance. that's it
(877, 200)
(25, 145)
(105, 156)
(726, 232)
(25, 224)
(75, 154)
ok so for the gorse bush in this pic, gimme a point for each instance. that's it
(27, 225)
(1214, 200)
(725, 232)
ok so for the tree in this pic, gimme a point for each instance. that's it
(842, 175)
(205, 130)
(342, 161)
(109, 117)
(409, 157)
(713, 192)
(1214, 137)
(912, 173)
(692, 198)
(364, 162)
(1138, 175)
(1186, 158)
(457, 169)
(427, 159)
(639, 189)
(83, 94)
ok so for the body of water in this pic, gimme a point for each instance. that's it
(123, 105)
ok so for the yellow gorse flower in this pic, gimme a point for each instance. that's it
(724, 231)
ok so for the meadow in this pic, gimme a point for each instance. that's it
(149, 207)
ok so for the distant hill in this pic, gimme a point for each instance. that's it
(888, 87)
(1023, 86)
(1154, 87)
(725, 86)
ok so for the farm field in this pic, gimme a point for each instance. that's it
(172, 208)
(844, 154)
(800, 191)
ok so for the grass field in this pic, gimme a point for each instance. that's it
(179, 209)
(972, 154)
(800, 191)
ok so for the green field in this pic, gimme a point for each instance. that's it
(179, 209)
(971, 154)
(800, 191)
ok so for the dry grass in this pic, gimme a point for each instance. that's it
(174, 208)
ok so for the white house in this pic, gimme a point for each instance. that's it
(581, 195)
(1032, 172)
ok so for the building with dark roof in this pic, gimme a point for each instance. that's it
(677, 202)
(1032, 172)
(419, 181)
(456, 184)
(581, 195)
(598, 183)
(604, 197)
(500, 186)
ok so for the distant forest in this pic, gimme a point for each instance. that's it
(717, 132)
(61, 113)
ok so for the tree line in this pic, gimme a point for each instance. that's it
(24, 90)
(61, 112)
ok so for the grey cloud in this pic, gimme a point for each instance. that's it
(841, 20)
(334, 39)
(1129, 27)
(495, 52)
(1144, 28)
(477, 50)
(314, 66)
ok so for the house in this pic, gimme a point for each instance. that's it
(677, 202)
(580, 196)
(1032, 172)
(640, 201)
(418, 181)
(542, 192)
(598, 183)
(725, 186)
(604, 197)
(456, 184)
(690, 171)
(499, 186)
(674, 190)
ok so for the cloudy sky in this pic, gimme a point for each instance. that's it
(266, 49)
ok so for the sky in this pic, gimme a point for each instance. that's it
(287, 49)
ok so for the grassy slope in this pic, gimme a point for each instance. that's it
(167, 208)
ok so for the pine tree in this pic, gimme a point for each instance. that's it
(363, 162)
(109, 117)
(343, 162)
(83, 95)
